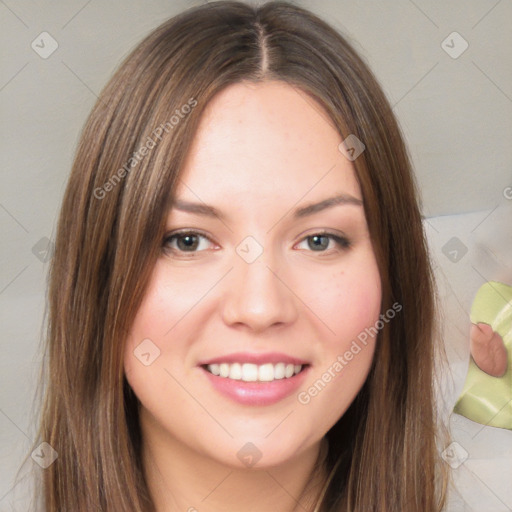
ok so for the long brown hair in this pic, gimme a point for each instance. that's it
(382, 453)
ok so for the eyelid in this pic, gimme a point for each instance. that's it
(186, 231)
(323, 231)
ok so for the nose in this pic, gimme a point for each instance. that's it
(258, 296)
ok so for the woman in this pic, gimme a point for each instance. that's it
(241, 304)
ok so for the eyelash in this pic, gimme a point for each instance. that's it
(342, 242)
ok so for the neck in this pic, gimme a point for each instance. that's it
(181, 479)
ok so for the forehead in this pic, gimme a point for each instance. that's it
(265, 142)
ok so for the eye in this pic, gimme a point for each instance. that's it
(190, 242)
(187, 241)
(319, 242)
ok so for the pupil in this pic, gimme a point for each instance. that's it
(318, 237)
(189, 244)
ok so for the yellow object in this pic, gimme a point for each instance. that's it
(486, 399)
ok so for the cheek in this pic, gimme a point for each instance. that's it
(359, 301)
(164, 312)
(351, 309)
(348, 300)
(162, 328)
(145, 352)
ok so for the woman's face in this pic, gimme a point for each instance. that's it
(256, 291)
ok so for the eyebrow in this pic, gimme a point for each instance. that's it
(304, 211)
(342, 199)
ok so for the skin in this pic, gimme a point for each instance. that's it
(261, 151)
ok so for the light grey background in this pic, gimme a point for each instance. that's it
(454, 112)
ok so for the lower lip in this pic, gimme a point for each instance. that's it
(256, 393)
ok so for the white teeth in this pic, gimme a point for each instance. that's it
(235, 371)
(249, 372)
(279, 371)
(224, 370)
(266, 372)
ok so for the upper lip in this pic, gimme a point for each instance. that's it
(258, 359)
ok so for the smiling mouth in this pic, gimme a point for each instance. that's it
(249, 372)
